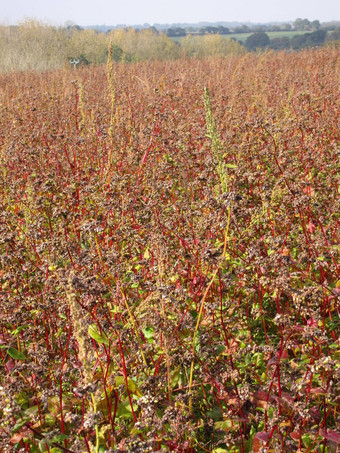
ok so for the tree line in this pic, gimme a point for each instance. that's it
(298, 25)
(261, 40)
(33, 45)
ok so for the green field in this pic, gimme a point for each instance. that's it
(272, 34)
(241, 37)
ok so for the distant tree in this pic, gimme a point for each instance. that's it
(209, 30)
(334, 36)
(316, 38)
(301, 24)
(117, 53)
(154, 30)
(298, 42)
(173, 32)
(33, 45)
(242, 29)
(210, 45)
(315, 24)
(70, 25)
(74, 28)
(144, 45)
(257, 40)
(330, 26)
(313, 39)
(93, 46)
(279, 43)
(221, 30)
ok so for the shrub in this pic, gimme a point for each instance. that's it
(257, 40)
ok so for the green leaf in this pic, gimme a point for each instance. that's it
(84, 245)
(15, 354)
(220, 349)
(215, 413)
(230, 165)
(19, 425)
(148, 332)
(50, 420)
(42, 445)
(120, 380)
(95, 334)
(60, 331)
(124, 409)
(59, 438)
(21, 399)
(31, 410)
(224, 425)
(19, 329)
(135, 431)
(193, 313)
(306, 440)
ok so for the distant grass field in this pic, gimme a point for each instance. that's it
(241, 37)
(272, 34)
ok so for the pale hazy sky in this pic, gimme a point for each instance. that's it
(131, 12)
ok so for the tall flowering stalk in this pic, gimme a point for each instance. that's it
(221, 169)
(111, 81)
(216, 146)
(111, 78)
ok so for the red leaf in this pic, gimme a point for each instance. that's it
(17, 437)
(256, 445)
(299, 328)
(273, 361)
(285, 354)
(312, 322)
(336, 291)
(183, 448)
(287, 397)
(263, 436)
(317, 390)
(260, 399)
(331, 435)
(240, 419)
(10, 364)
(259, 438)
(311, 227)
(315, 413)
(295, 435)
(261, 395)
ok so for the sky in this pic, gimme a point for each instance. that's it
(133, 12)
